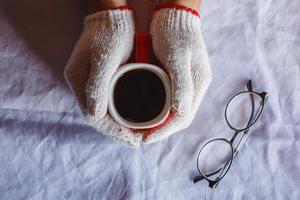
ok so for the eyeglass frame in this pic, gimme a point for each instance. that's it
(234, 151)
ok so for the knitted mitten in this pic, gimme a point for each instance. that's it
(179, 46)
(105, 44)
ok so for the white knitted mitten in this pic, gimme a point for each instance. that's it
(179, 46)
(105, 44)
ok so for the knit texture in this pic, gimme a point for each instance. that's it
(105, 43)
(179, 46)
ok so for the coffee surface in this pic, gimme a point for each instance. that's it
(139, 96)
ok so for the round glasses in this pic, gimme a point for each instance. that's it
(216, 156)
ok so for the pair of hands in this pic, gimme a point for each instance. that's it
(107, 42)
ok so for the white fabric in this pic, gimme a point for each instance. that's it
(48, 152)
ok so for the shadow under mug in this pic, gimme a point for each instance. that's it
(143, 53)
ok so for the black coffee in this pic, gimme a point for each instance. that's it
(139, 95)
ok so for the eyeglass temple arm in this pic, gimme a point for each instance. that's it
(249, 87)
(243, 139)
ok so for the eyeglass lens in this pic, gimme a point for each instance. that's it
(241, 108)
(214, 159)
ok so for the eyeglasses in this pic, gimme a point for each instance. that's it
(216, 156)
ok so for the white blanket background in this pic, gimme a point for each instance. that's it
(48, 152)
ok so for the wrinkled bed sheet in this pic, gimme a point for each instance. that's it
(48, 152)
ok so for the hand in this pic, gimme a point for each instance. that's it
(179, 46)
(100, 5)
(193, 4)
(105, 44)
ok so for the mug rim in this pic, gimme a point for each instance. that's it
(164, 112)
